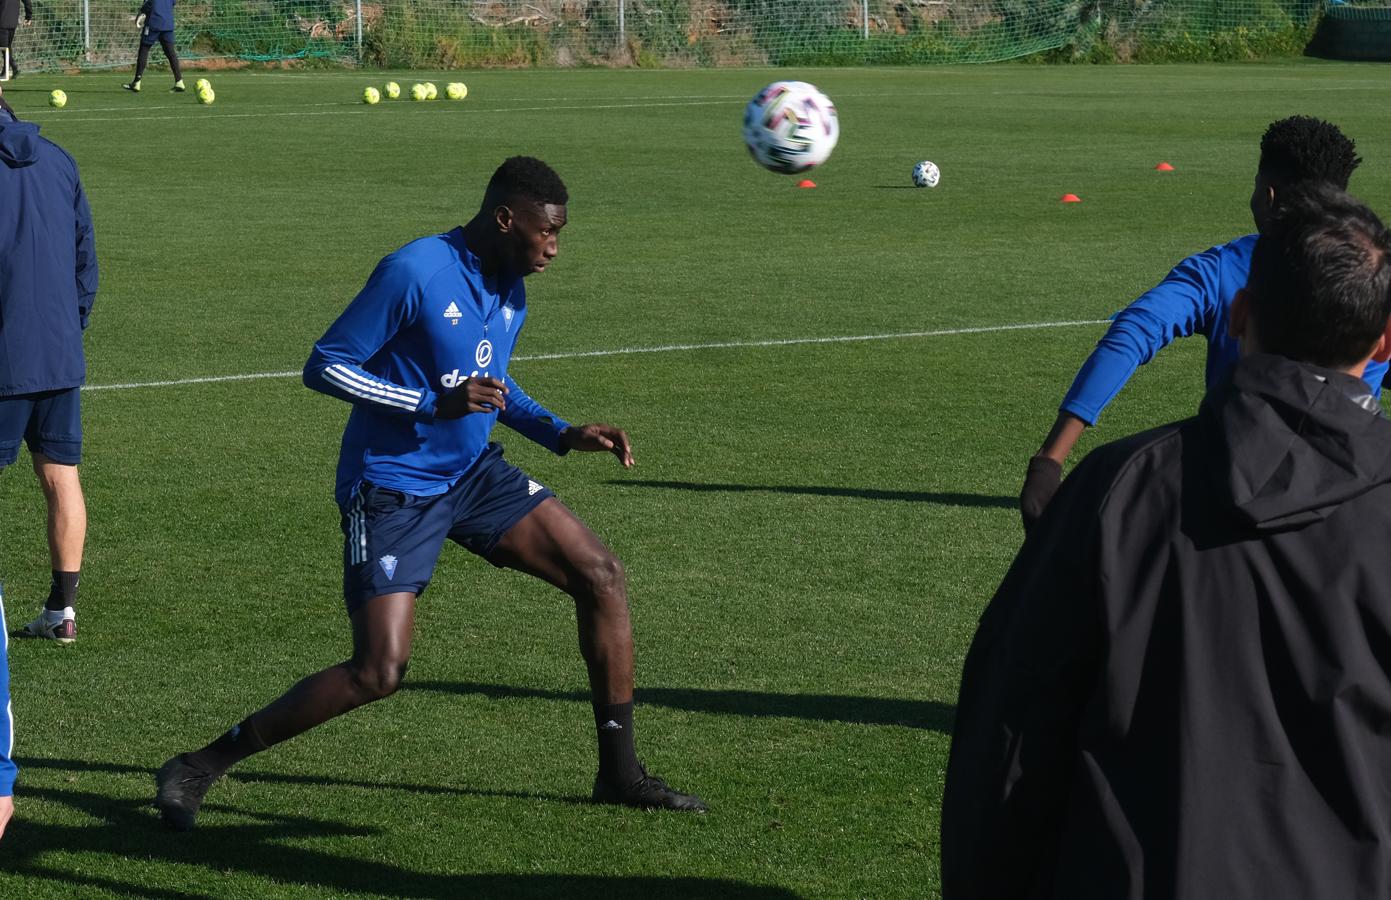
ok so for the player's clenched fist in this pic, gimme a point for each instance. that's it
(473, 395)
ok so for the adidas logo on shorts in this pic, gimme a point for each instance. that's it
(532, 487)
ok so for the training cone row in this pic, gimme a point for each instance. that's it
(1073, 198)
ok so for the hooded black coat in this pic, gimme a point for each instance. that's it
(9, 12)
(1183, 686)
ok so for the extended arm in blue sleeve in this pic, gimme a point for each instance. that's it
(532, 420)
(86, 257)
(386, 304)
(8, 769)
(1184, 303)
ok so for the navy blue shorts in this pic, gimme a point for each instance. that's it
(392, 540)
(50, 423)
(149, 38)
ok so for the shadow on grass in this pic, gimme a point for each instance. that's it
(815, 707)
(941, 498)
(127, 832)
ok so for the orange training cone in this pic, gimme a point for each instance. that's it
(806, 183)
(1164, 167)
(1071, 198)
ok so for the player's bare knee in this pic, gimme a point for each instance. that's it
(604, 578)
(377, 680)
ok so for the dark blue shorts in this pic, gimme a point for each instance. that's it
(392, 540)
(149, 38)
(50, 423)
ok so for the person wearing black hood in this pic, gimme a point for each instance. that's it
(9, 21)
(48, 282)
(1182, 688)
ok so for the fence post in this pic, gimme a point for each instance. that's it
(864, 15)
(622, 30)
(358, 5)
(87, 30)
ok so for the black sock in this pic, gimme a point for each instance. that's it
(62, 591)
(233, 747)
(142, 59)
(618, 760)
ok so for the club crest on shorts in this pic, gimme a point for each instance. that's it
(388, 564)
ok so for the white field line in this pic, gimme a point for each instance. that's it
(665, 348)
(362, 112)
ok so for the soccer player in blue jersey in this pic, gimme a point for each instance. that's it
(156, 23)
(7, 767)
(1195, 298)
(422, 353)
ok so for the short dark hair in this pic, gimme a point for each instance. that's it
(528, 177)
(1302, 150)
(1320, 279)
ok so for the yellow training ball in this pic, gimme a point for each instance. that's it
(58, 99)
(456, 91)
(418, 92)
(431, 90)
(371, 95)
(393, 91)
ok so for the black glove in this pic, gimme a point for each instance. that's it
(1041, 482)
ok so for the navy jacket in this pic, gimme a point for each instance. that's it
(48, 263)
(159, 15)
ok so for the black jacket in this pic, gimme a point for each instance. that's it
(9, 12)
(1183, 686)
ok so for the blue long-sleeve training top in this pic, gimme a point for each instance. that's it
(48, 263)
(1194, 298)
(427, 319)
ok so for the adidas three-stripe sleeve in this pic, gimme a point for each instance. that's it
(338, 365)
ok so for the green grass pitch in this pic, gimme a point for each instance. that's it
(811, 530)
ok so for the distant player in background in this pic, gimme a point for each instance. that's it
(422, 354)
(9, 21)
(48, 282)
(156, 23)
(1195, 298)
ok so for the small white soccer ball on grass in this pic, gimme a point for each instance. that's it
(419, 92)
(206, 96)
(431, 91)
(58, 99)
(790, 126)
(371, 95)
(393, 91)
(456, 90)
(926, 174)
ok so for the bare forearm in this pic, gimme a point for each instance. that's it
(1066, 431)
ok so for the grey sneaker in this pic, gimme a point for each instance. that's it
(64, 631)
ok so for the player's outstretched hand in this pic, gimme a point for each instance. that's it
(6, 811)
(1041, 482)
(599, 437)
(473, 395)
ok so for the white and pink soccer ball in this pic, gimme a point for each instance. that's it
(790, 127)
